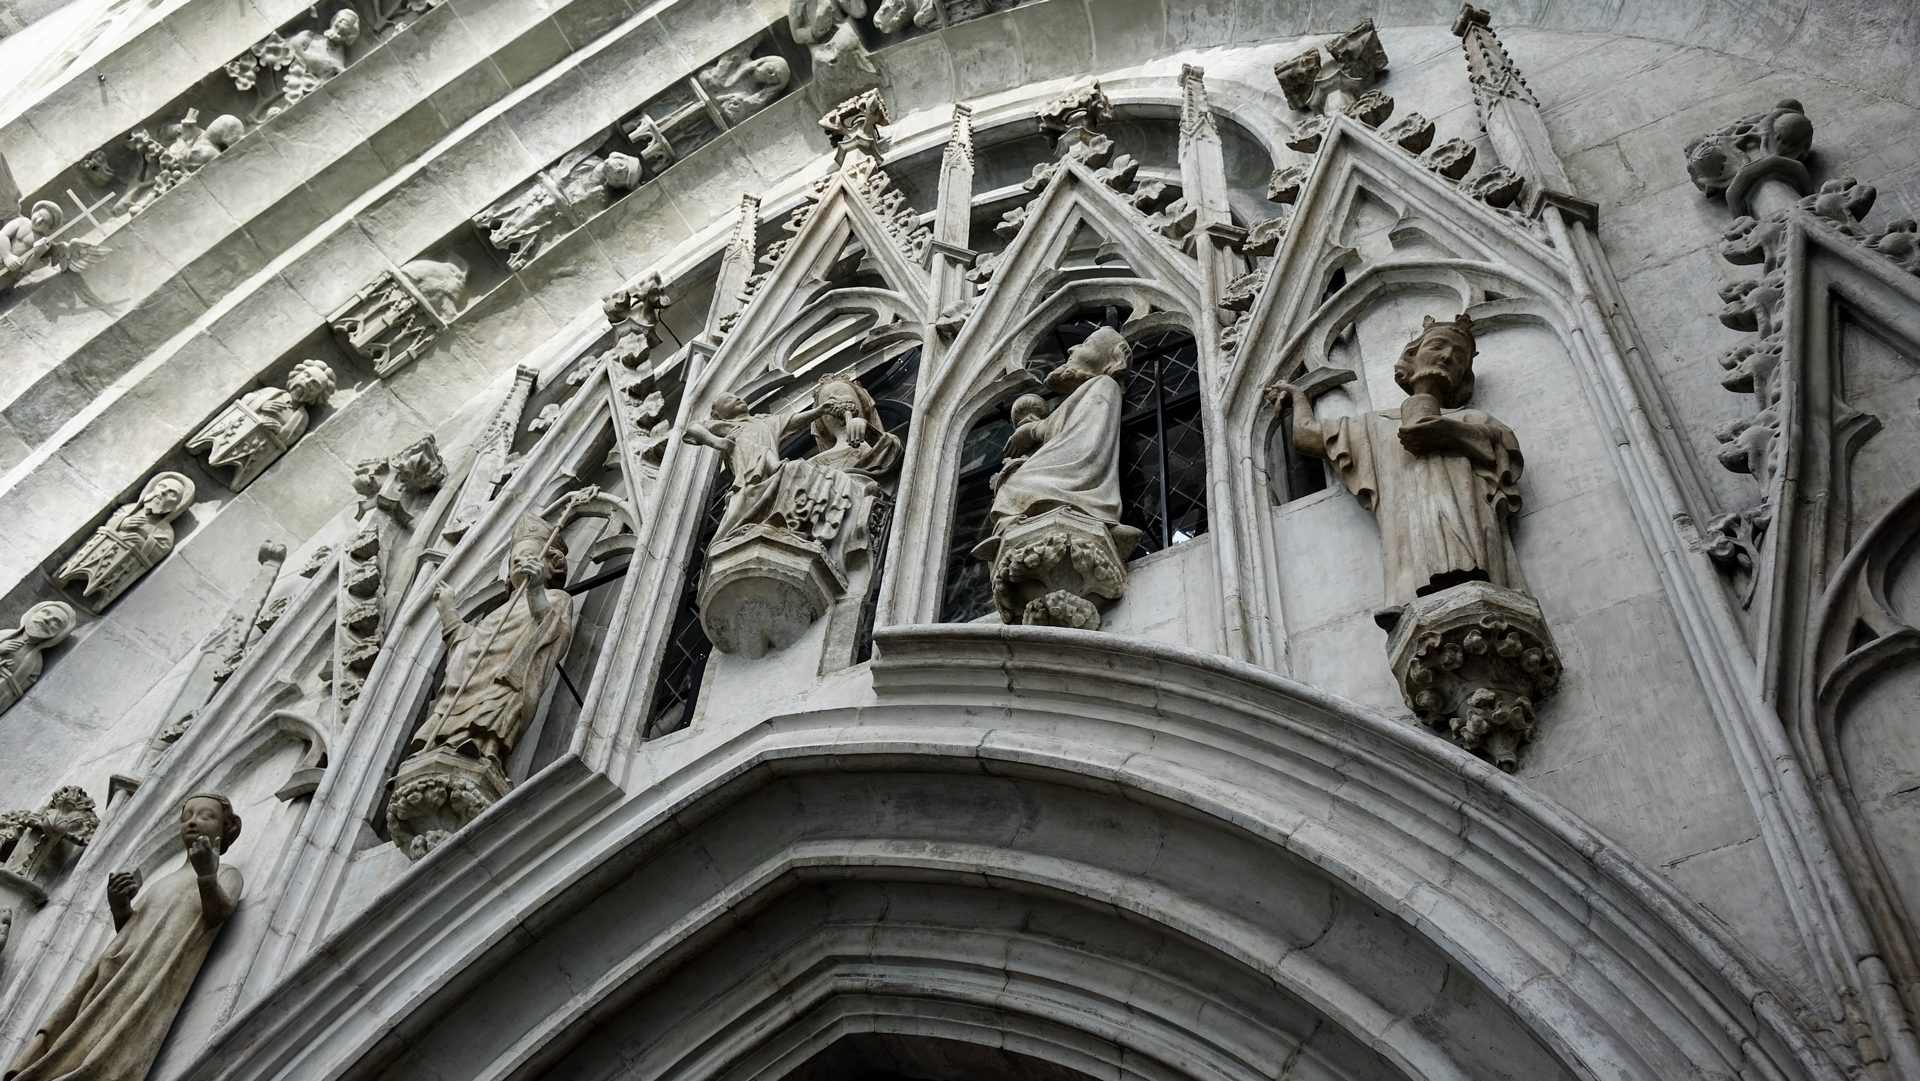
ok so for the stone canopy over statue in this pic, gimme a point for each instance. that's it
(780, 554)
(1058, 547)
(1467, 643)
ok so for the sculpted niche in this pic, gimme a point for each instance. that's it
(779, 556)
(138, 536)
(1058, 549)
(112, 1021)
(1467, 643)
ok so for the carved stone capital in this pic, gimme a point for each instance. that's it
(437, 793)
(1474, 660)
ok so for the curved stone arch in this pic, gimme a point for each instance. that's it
(1608, 968)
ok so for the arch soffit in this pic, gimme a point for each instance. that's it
(1506, 884)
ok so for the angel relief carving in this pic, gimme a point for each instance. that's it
(30, 240)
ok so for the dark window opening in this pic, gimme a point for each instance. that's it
(685, 664)
(1294, 475)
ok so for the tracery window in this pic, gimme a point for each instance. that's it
(1163, 472)
(685, 663)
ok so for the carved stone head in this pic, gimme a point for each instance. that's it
(1439, 361)
(620, 172)
(310, 383)
(46, 217)
(48, 623)
(538, 553)
(729, 407)
(166, 495)
(225, 130)
(345, 27)
(209, 815)
(1028, 408)
(1105, 352)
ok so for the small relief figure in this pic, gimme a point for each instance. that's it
(188, 148)
(1057, 543)
(251, 433)
(742, 84)
(1029, 431)
(138, 536)
(36, 845)
(559, 200)
(750, 442)
(499, 665)
(318, 56)
(30, 241)
(113, 1020)
(893, 16)
(841, 66)
(45, 625)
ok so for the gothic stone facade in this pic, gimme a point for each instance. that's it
(939, 538)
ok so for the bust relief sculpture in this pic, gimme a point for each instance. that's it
(113, 1019)
(138, 536)
(44, 626)
(251, 433)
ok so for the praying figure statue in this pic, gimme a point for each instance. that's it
(1443, 480)
(45, 625)
(138, 536)
(113, 1020)
(498, 666)
(251, 433)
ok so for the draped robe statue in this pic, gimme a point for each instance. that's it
(254, 431)
(138, 536)
(1067, 461)
(1442, 480)
(498, 666)
(111, 1023)
(45, 625)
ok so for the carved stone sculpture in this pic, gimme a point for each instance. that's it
(254, 431)
(893, 16)
(31, 240)
(35, 846)
(555, 202)
(395, 318)
(779, 556)
(392, 491)
(1330, 80)
(497, 669)
(740, 84)
(282, 71)
(1737, 157)
(112, 1021)
(1443, 481)
(1058, 547)
(188, 147)
(841, 66)
(44, 626)
(138, 536)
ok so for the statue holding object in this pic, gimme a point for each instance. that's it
(1467, 642)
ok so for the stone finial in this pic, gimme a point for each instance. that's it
(1328, 79)
(634, 312)
(960, 136)
(1196, 112)
(1073, 117)
(1490, 71)
(1762, 149)
(853, 128)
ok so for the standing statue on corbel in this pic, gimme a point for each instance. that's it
(138, 536)
(1058, 549)
(779, 555)
(251, 433)
(1467, 643)
(497, 670)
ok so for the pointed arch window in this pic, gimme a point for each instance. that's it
(1162, 458)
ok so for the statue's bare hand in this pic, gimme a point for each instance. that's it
(1429, 435)
(857, 431)
(203, 856)
(122, 886)
(1278, 393)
